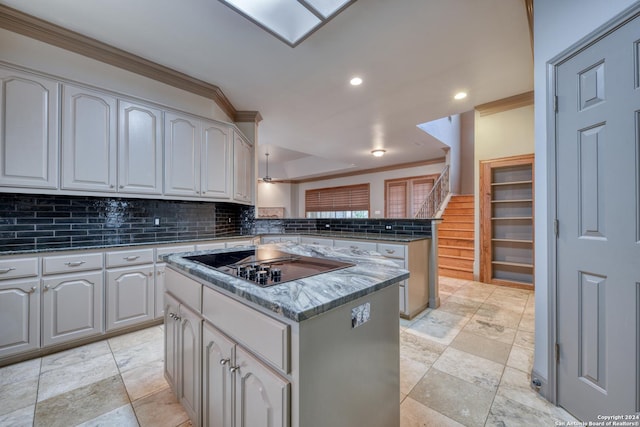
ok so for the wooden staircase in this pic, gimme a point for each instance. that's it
(456, 239)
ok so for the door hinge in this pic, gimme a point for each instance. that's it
(555, 104)
(557, 352)
(556, 227)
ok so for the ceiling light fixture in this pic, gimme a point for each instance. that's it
(267, 178)
(379, 152)
(291, 21)
(356, 81)
(460, 95)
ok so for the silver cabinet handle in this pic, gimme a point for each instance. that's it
(31, 290)
(224, 361)
(74, 263)
(391, 251)
(6, 270)
(46, 288)
(353, 247)
(112, 186)
(234, 368)
(122, 186)
(131, 257)
(159, 273)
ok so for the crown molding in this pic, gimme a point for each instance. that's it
(247, 116)
(505, 104)
(39, 29)
(373, 170)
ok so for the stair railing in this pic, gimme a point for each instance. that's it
(436, 196)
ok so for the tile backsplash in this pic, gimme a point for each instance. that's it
(32, 222)
(413, 227)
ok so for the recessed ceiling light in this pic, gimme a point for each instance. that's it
(378, 152)
(356, 81)
(460, 95)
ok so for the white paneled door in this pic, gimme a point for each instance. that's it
(598, 209)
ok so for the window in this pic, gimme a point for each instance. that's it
(404, 197)
(350, 201)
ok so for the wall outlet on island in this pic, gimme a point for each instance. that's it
(387, 227)
(327, 225)
(156, 222)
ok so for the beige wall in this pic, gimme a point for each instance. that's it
(19, 50)
(504, 134)
(275, 195)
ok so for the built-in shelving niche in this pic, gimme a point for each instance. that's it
(506, 221)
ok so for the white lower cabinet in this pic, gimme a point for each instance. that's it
(183, 332)
(130, 296)
(238, 389)
(71, 306)
(19, 316)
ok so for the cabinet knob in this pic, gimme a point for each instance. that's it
(224, 361)
(32, 290)
(122, 186)
(6, 270)
(234, 368)
(112, 186)
(150, 274)
(46, 288)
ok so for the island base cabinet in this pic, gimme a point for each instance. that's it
(19, 316)
(130, 296)
(238, 389)
(183, 338)
(72, 307)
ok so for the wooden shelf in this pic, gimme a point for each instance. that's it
(506, 210)
(512, 218)
(511, 183)
(513, 241)
(512, 264)
(513, 201)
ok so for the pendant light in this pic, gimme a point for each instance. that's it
(267, 178)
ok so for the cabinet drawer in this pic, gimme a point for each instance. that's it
(354, 244)
(316, 241)
(173, 249)
(187, 290)
(391, 251)
(255, 331)
(18, 267)
(238, 243)
(68, 263)
(124, 258)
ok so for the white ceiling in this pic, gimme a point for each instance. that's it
(413, 56)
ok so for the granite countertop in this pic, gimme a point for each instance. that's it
(303, 299)
(126, 245)
(362, 236)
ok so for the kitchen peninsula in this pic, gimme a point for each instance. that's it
(315, 351)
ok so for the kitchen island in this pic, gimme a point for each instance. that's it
(316, 351)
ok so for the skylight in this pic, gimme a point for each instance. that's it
(291, 21)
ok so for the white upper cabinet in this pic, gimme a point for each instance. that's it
(139, 149)
(243, 169)
(28, 130)
(216, 161)
(89, 121)
(182, 141)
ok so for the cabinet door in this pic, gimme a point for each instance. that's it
(130, 294)
(29, 129)
(243, 169)
(19, 316)
(182, 156)
(139, 149)
(216, 161)
(89, 120)
(171, 329)
(262, 396)
(190, 352)
(217, 393)
(72, 307)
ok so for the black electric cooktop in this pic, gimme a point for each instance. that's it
(266, 266)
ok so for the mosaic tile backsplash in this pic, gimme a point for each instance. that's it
(32, 222)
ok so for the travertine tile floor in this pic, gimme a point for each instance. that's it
(465, 363)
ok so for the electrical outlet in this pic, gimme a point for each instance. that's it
(156, 221)
(387, 227)
(327, 226)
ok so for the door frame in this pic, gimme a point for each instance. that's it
(550, 389)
